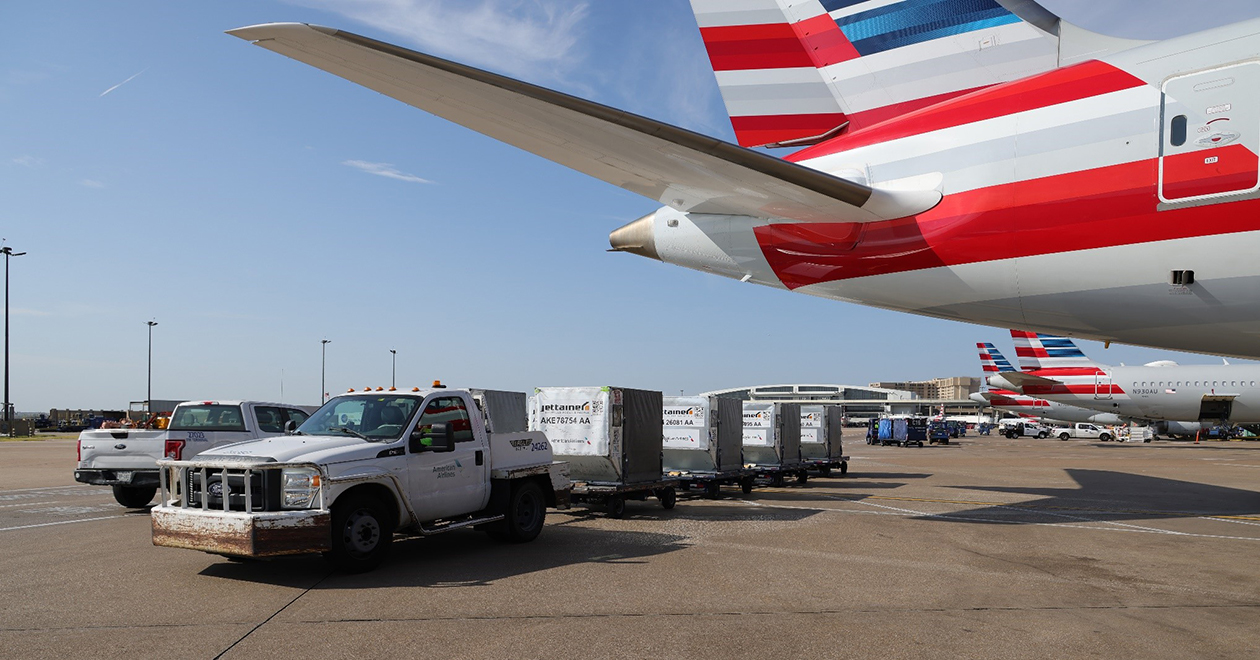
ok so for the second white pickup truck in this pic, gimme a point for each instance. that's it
(1083, 431)
(126, 459)
(364, 466)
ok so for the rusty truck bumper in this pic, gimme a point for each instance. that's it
(258, 534)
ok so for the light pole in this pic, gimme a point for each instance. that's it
(393, 368)
(8, 415)
(323, 361)
(148, 401)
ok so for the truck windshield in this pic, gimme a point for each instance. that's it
(208, 417)
(377, 418)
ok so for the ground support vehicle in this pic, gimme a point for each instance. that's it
(1016, 428)
(772, 442)
(822, 450)
(939, 432)
(363, 467)
(702, 440)
(1083, 431)
(126, 459)
(611, 438)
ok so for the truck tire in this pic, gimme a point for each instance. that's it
(713, 490)
(361, 534)
(134, 497)
(746, 485)
(1043, 435)
(1064, 436)
(615, 507)
(802, 478)
(1106, 437)
(527, 511)
(668, 497)
(844, 468)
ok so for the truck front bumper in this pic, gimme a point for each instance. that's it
(258, 534)
(99, 477)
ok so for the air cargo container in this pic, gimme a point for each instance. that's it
(772, 441)
(702, 443)
(822, 428)
(611, 437)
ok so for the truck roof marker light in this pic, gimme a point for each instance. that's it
(415, 389)
(350, 390)
(380, 389)
(437, 385)
(392, 388)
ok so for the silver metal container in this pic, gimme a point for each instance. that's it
(606, 434)
(504, 412)
(822, 428)
(702, 434)
(772, 434)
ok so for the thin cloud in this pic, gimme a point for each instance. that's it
(91, 183)
(18, 311)
(383, 169)
(530, 38)
(27, 160)
(133, 77)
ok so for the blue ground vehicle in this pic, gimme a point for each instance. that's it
(939, 432)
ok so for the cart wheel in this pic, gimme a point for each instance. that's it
(615, 506)
(920, 443)
(713, 490)
(844, 468)
(668, 497)
(824, 471)
(802, 477)
(746, 485)
(777, 480)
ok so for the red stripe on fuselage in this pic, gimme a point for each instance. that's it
(1072, 83)
(1091, 389)
(1085, 210)
(1061, 372)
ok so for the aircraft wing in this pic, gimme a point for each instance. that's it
(676, 167)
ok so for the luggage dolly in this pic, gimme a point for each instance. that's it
(711, 482)
(612, 496)
(824, 466)
(778, 475)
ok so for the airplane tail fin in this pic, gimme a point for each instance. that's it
(1037, 351)
(992, 360)
(798, 72)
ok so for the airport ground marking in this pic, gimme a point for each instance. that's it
(66, 522)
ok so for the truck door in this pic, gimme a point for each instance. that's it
(442, 485)
(1211, 135)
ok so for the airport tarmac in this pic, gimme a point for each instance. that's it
(987, 548)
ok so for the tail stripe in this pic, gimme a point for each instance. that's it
(916, 21)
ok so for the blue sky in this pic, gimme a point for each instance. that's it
(153, 167)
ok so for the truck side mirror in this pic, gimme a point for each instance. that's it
(289, 427)
(436, 438)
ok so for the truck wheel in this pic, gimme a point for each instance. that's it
(746, 485)
(713, 490)
(527, 510)
(134, 497)
(1043, 435)
(615, 507)
(844, 468)
(361, 534)
(1106, 437)
(1064, 436)
(668, 497)
(802, 478)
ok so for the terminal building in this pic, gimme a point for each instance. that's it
(865, 402)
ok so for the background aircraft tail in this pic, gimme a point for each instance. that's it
(796, 72)
(1036, 352)
(992, 361)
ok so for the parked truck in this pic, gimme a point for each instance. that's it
(364, 467)
(1083, 431)
(126, 459)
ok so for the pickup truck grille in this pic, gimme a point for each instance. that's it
(263, 491)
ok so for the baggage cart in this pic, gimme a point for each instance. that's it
(702, 444)
(772, 441)
(822, 428)
(611, 439)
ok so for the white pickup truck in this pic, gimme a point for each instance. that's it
(1016, 428)
(1083, 431)
(364, 466)
(126, 459)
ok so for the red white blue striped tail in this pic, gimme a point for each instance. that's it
(800, 71)
(1040, 352)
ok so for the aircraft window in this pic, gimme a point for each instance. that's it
(1179, 125)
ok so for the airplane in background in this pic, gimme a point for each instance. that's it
(1054, 368)
(994, 363)
(974, 160)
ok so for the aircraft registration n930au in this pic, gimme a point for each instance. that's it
(977, 160)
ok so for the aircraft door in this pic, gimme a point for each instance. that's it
(1216, 408)
(1211, 135)
(1102, 386)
